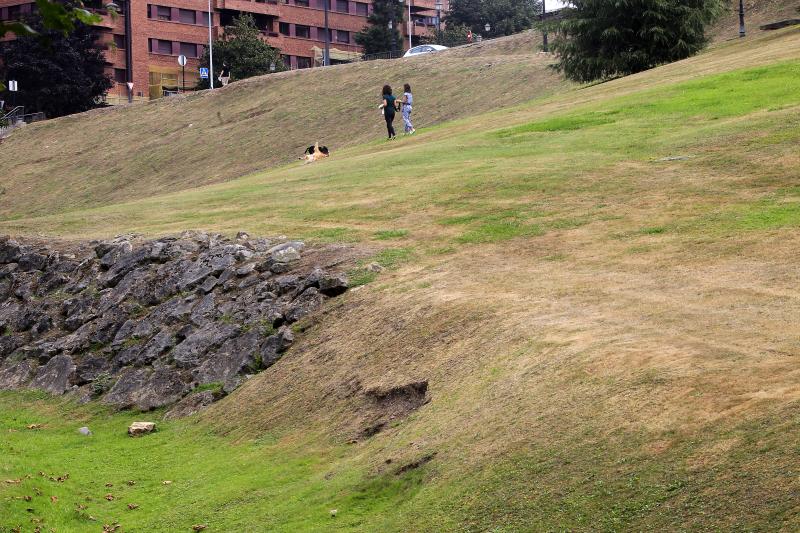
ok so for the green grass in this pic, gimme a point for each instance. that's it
(214, 482)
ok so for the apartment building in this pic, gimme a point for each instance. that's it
(143, 43)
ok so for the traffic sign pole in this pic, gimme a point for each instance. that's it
(182, 63)
(13, 87)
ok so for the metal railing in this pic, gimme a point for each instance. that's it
(17, 117)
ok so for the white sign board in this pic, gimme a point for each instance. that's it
(12, 85)
(182, 60)
(130, 85)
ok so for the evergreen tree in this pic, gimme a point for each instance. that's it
(376, 37)
(505, 17)
(449, 35)
(58, 74)
(244, 52)
(600, 39)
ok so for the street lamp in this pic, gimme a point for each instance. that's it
(544, 29)
(438, 15)
(410, 27)
(392, 35)
(741, 18)
(128, 47)
(326, 61)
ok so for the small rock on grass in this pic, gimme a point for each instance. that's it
(85, 431)
(141, 428)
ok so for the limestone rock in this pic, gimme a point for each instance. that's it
(137, 429)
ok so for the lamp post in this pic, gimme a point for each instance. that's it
(128, 46)
(438, 15)
(210, 48)
(392, 35)
(741, 18)
(410, 27)
(544, 29)
(326, 61)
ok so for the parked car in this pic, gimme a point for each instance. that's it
(424, 49)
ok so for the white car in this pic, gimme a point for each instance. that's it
(424, 49)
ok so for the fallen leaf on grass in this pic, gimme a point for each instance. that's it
(34, 426)
(54, 499)
(166, 482)
(109, 528)
(37, 491)
(131, 482)
(199, 527)
(13, 481)
(80, 506)
(109, 484)
(132, 506)
(109, 497)
(26, 498)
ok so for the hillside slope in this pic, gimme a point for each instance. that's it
(599, 289)
(120, 154)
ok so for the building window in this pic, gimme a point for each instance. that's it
(362, 9)
(14, 12)
(119, 41)
(204, 18)
(120, 75)
(342, 36)
(287, 61)
(284, 28)
(343, 6)
(160, 46)
(163, 13)
(187, 16)
(304, 32)
(321, 34)
(189, 49)
(303, 3)
(303, 62)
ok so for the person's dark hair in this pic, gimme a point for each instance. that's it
(407, 88)
(387, 89)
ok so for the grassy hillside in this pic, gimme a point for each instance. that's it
(600, 288)
(172, 144)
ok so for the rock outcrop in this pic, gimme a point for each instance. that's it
(144, 323)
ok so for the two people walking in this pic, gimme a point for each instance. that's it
(390, 106)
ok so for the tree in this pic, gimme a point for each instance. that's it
(58, 74)
(376, 37)
(598, 39)
(449, 35)
(55, 16)
(242, 49)
(505, 17)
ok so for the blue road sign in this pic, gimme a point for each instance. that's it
(204, 73)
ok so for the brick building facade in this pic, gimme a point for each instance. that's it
(160, 30)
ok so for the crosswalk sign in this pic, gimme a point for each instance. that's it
(203, 72)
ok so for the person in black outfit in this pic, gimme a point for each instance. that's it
(225, 75)
(389, 109)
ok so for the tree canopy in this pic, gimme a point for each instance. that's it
(504, 16)
(61, 16)
(57, 73)
(376, 37)
(243, 50)
(599, 39)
